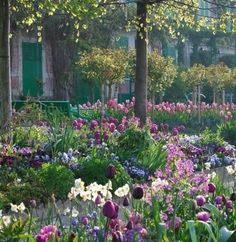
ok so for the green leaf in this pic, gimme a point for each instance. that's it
(210, 232)
(225, 234)
(192, 230)
(161, 230)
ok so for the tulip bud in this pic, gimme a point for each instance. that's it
(229, 204)
(109, 209)
(126, 202)
(218, 200)
(137, 193)
(129, 225)
(98, 200)
(110, 171)
(200, 200)
(116, 210)
(211, 188)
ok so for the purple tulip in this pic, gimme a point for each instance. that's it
(229, 204)
(109, 209)
(126, 202)
(116, 210)
(218, 200)
(93, 124)
(98, 200)
(112, 127)
(121, 127)
(137, 193)
(175, 132)
(200, 200)
(154, 129)
(106, 136)
(211, 188)
(129, 225)
(84, 220)
(110, 171)
(203, 216)
(97, 135)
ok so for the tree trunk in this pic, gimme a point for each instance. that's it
(109, 92)
(223, 96)
(140, 108)
(199, 103)
(231, 98)
(5, 76)
(102, 93)
(194, 96)
(214, 95)
(153, 105)
(60, 66)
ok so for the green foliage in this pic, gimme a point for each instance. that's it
(32, 136)
(15, 231)
(161, 73)
(154, 157)
(56, 179)
(105, 66)
(62, 139)
(93, 170)
(133, 142)
(194, 75)
(227, 131)
(209, 137)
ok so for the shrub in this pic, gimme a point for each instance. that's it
(132, 142)
(94, 169)
(56, 179)
(228, 132)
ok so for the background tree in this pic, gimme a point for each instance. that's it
(32, 14)
(217, 75)
(105, 66)
(161, 74)
(193, 77)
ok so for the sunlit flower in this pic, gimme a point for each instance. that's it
(122, 191)
(74, 212)
(14, 208)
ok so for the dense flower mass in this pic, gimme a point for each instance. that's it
(106, 178)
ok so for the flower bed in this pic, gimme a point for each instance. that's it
(124, 182)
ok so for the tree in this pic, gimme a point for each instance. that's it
(105, 66)
(5, 83)
(218, 76)
(161, 73)
(193, 78)
(30, 13)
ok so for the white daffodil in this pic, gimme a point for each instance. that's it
(6, 220)
(14, 208)
(74, 192)
(79, 184)
(21, 207)
(66, 211)
(74, 212)
(86, 195)
(122, 191)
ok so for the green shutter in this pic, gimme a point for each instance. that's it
(32, 69)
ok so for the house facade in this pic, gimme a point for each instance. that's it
(31, 67)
